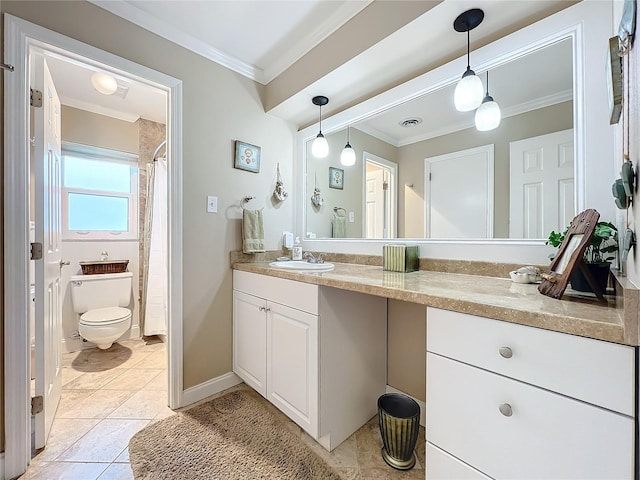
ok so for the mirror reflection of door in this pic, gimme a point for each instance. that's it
(542, 185)
(459, 194)
(380, 197)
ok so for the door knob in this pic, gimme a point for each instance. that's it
(63, 263)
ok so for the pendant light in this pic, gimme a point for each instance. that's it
(488, 114)
(348, 155)
(468, 94)
(320, 146)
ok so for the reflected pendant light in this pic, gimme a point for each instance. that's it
(469, 91)
(488, 114)
(348, 155)
(320, 146)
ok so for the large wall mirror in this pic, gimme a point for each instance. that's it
(423, 171)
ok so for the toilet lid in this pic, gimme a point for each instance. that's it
(104, 316)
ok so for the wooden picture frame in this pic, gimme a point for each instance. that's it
(247, 157)
(569, 256)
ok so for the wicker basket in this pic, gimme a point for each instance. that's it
(108, 266)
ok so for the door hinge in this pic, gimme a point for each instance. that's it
(36, 98)
(36, 251)
(429, 176)
(7, 67)
(37, 405)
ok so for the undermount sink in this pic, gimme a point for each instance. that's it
(303, 265)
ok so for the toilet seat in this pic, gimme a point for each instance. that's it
(105, 316)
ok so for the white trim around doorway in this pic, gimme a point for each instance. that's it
(20, 36)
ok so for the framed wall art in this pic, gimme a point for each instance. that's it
(247, 157)
(336, 178)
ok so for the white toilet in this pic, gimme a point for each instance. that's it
(100, 301)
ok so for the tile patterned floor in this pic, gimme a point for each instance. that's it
(107, 396)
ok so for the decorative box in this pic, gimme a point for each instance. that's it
(401, 258)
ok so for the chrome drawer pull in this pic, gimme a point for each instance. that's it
(505, 352)
(505, 409)
(262, 309)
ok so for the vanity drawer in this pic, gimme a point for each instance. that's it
(442, 466)
(547, 436)
(595, 371)
(298, 295)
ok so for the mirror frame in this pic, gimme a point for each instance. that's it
(588, 25)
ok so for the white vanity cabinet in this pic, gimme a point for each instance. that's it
(316, 353)
(507, 401)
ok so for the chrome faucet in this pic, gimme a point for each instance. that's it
(312, 259)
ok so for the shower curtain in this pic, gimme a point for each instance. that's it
(155, 289)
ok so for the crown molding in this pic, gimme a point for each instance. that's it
(165, 30)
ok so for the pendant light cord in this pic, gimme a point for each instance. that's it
(487, 83)
(468, 48)
(320, 129)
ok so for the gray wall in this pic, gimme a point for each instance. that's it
(411, 200)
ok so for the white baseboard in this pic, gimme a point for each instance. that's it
(423, 406)
(2, 477)
(210, 387)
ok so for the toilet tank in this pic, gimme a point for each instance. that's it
(89, 292)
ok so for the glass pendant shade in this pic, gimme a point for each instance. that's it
(488, 115)
(104, 83)
(469, 92)
(320, 146)
(348, 156)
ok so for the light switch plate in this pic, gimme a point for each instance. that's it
(352, 217)
(212, 204)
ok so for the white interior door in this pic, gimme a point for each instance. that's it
(375, 203)
(47, 173)
(541, 182)
(459, 194)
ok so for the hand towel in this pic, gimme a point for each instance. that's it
(252, 231)
(338, 226)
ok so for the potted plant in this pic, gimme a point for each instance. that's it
(597, 257)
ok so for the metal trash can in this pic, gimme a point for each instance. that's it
(399, 419)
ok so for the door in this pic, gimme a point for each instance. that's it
(542, 179)
(46, 164)
(375, 203)
(292, 364)
(459, 194)
(250, 340)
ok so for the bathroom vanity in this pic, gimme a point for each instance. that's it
(519, 385)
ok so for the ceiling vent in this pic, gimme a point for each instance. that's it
(410, 122)
(122, 91)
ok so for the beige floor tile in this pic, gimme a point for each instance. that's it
(133, 379)
(65, 471)
(69, 374)
(145, 404)
(348, 473)
(94, 380)
(344, 456)
(123, 457)
(117, 471)
(159, 382)
(64, 433)
(164, 412)
(104, 442)
(388, 473)
(69, 399)
(155, 360)
(98, 405)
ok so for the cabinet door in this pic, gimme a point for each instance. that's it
(250, 340)
(292, 364)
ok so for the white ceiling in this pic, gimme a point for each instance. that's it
(258, 38)
(261, 38)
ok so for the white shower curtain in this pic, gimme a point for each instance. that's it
(155, 320)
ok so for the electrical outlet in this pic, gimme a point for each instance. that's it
(352, 217)
(212, 204)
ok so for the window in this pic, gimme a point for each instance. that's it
(100, 193)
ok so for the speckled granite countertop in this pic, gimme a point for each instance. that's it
(491, 297)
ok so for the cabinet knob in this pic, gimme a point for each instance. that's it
(505, 409)
(262, 309)
(267, 309)
(505, 352)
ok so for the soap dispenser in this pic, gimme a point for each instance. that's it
(296, 251)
